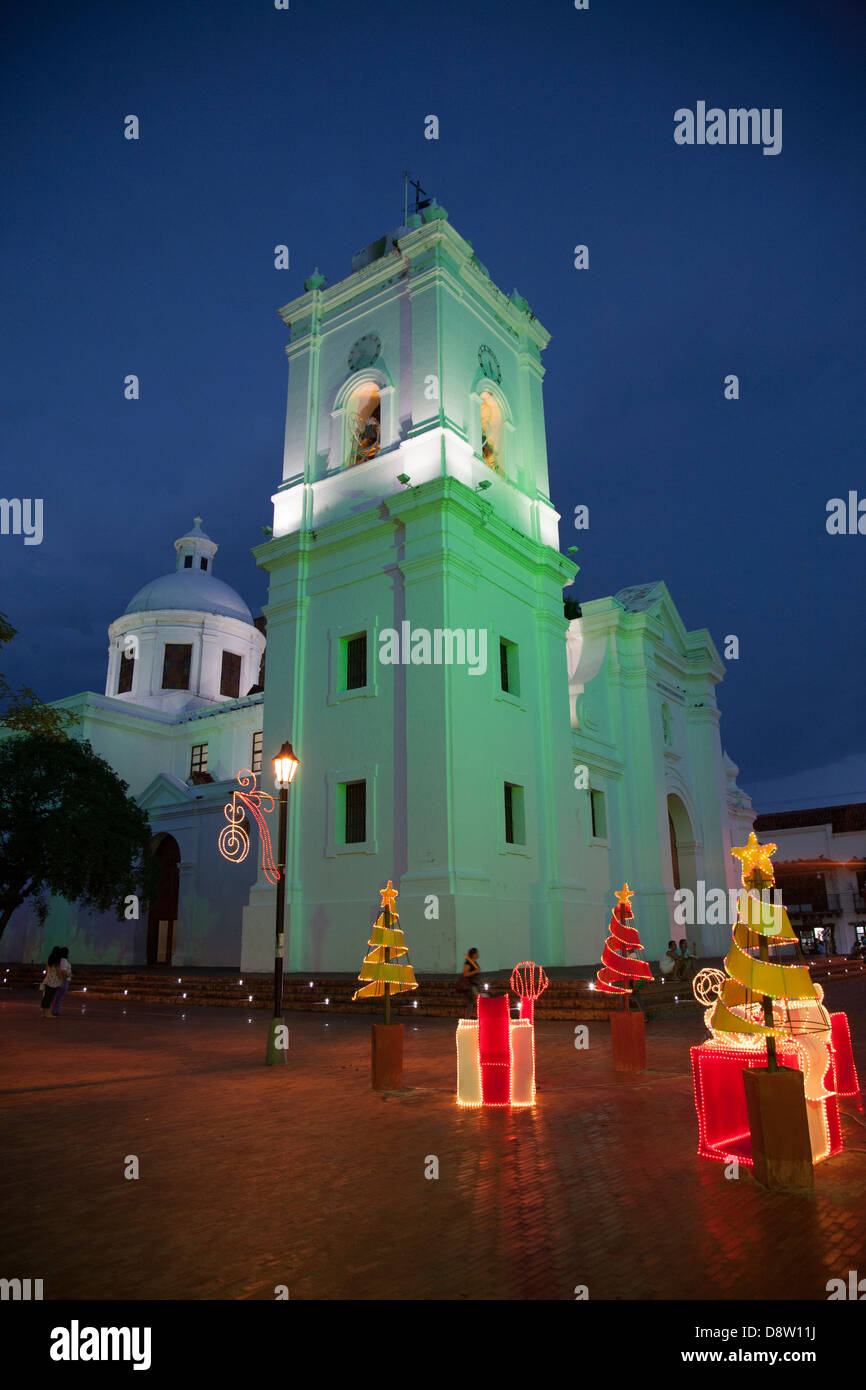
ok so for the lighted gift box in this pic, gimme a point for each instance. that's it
(720, 1099)
(762, 994)
(495, 1053)
(847, 1082)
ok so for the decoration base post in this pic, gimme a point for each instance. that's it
(628, 1039)
(387, 1056)
(276, 1054)
(781, 1148)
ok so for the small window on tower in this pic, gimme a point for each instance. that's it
(598, 813)
(491, 432)
(515, 819)
(356, 813)
(230, 678)
(257, 751)
(198, 759)
(187, 562)
(176, 665)
(356, 662)
(126, 672)
(364, 424)
(508, 668)
(203, 562)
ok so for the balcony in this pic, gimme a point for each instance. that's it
(841, 904)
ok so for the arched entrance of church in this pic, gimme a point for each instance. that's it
(684, 861)
(162, 917)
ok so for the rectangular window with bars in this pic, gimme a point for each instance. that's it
(198, 758)
(230, 676)
(176, 665)
(257, 752)
(356, 813)
(356, 662)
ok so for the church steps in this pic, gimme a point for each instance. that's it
(565, 999)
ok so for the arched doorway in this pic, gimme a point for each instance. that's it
(684, 849)
(162, 917)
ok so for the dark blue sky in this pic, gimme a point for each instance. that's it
(261, 127)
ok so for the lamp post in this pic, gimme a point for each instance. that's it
(285, 767)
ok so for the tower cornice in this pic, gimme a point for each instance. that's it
(409, 259)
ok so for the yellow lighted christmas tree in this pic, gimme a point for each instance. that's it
(753, 980)
(380, 966)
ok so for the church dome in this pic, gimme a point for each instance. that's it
(192, 586)
(192, 590)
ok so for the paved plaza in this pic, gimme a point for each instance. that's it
(253, 1177)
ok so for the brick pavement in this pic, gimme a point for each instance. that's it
(302, 1175)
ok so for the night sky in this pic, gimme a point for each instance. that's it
(261, 127)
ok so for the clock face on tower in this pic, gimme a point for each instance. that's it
(364, 352)
(489, 363)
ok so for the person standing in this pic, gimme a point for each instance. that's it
(53, 981)
(472, 977)
(64, 970)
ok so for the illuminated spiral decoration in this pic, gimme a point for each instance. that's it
(234, 842)
(707, 983)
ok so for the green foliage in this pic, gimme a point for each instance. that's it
(24, 711)
(69, 827)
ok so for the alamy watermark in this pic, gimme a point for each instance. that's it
(77, 1343)
(736, 126)
(718, 908)
(442, 647)
(22, 516)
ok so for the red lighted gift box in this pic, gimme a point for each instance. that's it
(847, 1083)
(720, 1099)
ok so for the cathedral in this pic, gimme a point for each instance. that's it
(506, 765)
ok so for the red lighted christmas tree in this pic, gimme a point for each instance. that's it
(618, 972)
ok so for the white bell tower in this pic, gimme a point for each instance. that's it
(414, 501)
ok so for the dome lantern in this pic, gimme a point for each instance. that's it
(195, 550)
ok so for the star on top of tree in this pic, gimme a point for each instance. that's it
(388, 894)
(755, 859)
(624, 894)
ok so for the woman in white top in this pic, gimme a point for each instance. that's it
(64, 970)
(53, 981)
(668, 961)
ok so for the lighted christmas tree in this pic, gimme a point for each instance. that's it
(753, 1002)
(618, 972)
(380, 966)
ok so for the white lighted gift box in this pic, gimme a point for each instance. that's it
(495, 1053)
(520, 1066)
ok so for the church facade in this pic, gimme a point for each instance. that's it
(505, 766)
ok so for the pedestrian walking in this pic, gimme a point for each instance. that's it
(65, 971)
(53, 981)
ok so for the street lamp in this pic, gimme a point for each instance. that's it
(285, 767)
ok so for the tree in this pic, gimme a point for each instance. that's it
(68, 826)
(755, 999)
(386, 943)
(24, 711)
(616, 967)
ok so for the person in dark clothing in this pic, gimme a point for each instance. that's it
(471, 978)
